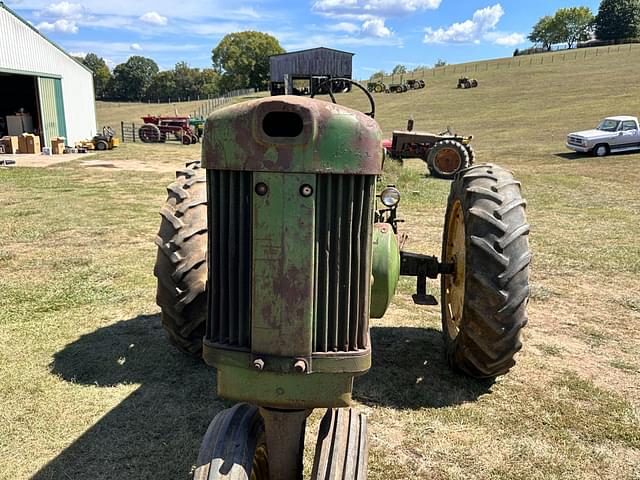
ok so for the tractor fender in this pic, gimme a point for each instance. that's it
(385, 269)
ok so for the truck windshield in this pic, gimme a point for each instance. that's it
(608, 125)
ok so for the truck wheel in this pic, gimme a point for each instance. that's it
(446, 158)
(342, 446)
(600, 150)
(181, 263)
(234, 447)
(484, 299)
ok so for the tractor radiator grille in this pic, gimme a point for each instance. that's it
(229, 213)
(343, 216)
(344, 206)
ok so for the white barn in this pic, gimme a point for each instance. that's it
(51, 90)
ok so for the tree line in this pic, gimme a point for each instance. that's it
(615, 20)
(240, 60)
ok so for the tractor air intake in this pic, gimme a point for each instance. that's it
(291, 190)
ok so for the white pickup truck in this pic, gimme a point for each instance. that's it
(613, 134)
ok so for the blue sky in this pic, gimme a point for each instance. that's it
(382, 33)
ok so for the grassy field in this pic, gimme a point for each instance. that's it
(91, 389)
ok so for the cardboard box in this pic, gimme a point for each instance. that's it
(57, 145)
(29, 143)
(11, 144)
(33, 144)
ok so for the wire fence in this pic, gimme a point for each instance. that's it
(130, 131)
(515, 62)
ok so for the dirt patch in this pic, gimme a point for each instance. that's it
(135, 165)
(30, 160)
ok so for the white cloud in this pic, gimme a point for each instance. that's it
(135, 47)
(78, 54)
(344, 27)
(479, 27)
(61, 26)
(64, 10)
(154, 18)
(386, 8)
(506, 39)
(375, 28)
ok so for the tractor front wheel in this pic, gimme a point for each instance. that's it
(234, 446)
(484, 299)
(446, 158)
(342, 447)
(181, 263)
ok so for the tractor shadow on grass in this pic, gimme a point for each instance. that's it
(409, 371)
(156, 431)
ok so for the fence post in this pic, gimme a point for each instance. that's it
(122, 130)
(133, 132)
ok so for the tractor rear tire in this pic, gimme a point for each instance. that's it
(342, 446)
(181, 263)
(149, 133)
(446, 158)
(102, 145)
(474, 83)
(379, 88)
(234, 447)
(484, 300)
(472, 154)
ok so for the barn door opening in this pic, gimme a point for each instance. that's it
(51, 108)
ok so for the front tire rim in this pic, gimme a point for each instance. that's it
(447, 161)
(454, 284)
(601, 151)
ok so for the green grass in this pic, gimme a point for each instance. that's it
(90, 388)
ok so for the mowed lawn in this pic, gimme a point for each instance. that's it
(90, 388)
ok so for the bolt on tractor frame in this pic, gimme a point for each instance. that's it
(299, 258)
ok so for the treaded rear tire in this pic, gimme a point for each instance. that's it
(181, 263)
(460, 149)
(484, 339)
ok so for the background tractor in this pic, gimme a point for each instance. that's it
(416, 84)
(445, 153)
(158, 129)
(298, 252)
(377, 87)
(105, 141)
(465, 82)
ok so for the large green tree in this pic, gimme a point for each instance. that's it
(132, 78)
(574, 24)
(567, 25)
(399, 69)
(618, 19)
(545, 32)
(101, 73)
(242, 59)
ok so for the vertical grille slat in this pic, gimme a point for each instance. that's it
(229, 257)
(343, 226)
(334, 265)
(323, 219)
(244, 254)
(356, 263)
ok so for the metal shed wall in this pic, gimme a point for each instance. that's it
(25, 51)
(316, 61)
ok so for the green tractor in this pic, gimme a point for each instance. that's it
(271, 264)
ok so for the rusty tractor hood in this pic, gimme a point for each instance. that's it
(292, 134)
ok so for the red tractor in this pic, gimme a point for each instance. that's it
(157, 129)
